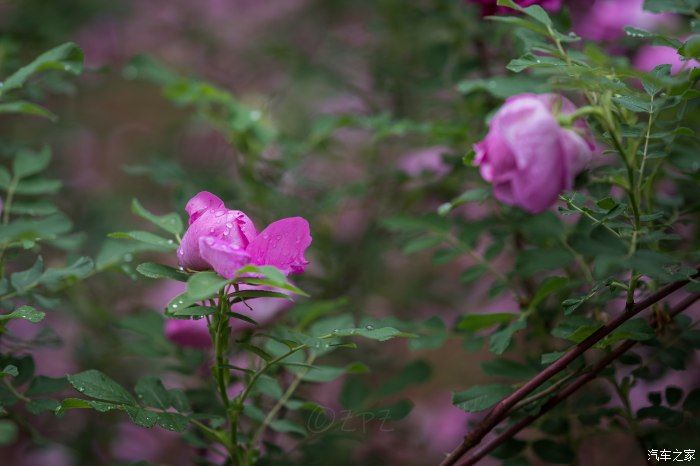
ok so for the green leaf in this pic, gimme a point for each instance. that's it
(634, 329)
(26, 313)
(548, 358)
(95, 384)
(196, 311)
(140, 416)
(501, 340)
(480, 397)
(172, 421)
(508, 368)
(474, 322)
(675, 6)
(80, 268)
(8, 432)
(633, 103)
(40, 405)
(205, 285)
(9, 370)
(23, 281)
(285, 426)
(66, 57)
(381, 334)
(26, 108)
(42, 385)
(146, 237)
(553, 452)
(575, 328)
(549, 285)
(151, 392)
(28, 163)
(414, 373)
(171, 223)
(153, 270)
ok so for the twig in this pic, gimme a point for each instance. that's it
(573, 387)
(501, 410)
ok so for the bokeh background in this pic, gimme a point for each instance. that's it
(347, 112)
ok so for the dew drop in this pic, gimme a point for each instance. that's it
(369, 327)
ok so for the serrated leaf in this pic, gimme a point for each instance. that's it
(26, 313)
(28, 163)
(66, 57)
(95, 384)
(146, 237)
(381, 334)
(500, 340)
(173, 421)
(480, 397)
(205, 285)
(151, 392)
(153, 270)
(171, 223)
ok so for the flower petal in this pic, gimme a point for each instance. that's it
(222, 256)
(191, 333)
(282, 244)
(200, 203)
(231, 226)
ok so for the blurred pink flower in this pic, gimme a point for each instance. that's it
(606, 19)
(527, 156)
(226, 240)
(425, 162)
(651, 56)
(133, 443)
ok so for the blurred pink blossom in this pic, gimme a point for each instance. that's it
(606, 19)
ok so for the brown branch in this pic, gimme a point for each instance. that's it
(501, 410)
(569, 389)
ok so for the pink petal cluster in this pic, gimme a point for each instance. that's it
(490, 7)
(226, 240)
(528, 156)
(651, 56)
(606, 19)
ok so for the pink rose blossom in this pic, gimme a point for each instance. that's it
(226, 240)
(606, 19)
(651, 56)
(527, 156)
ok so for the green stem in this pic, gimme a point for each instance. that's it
(221, 373)
(282, 401)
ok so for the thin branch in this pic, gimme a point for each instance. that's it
(573, 387)
(502, 409)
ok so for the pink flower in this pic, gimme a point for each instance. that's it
(606, 19)
(650, 56)
(189, 333)
(489, 7)
(425, 161)
(226, 240)
(527, 156)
